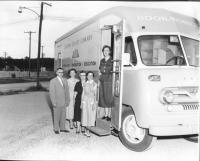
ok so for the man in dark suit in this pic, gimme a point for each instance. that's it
(59, 94)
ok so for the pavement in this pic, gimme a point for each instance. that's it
(21, 86)
(26, 133)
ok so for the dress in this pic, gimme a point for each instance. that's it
(77, 110)
(105, 88)
(89, 104)
(70, 108)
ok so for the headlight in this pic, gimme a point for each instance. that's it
(168, 96)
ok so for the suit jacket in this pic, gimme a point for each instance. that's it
(59, 94)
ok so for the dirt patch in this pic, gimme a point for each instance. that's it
(23, 138)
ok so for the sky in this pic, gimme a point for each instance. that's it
(59, 19)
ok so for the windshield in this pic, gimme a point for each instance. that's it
(159, 50)
(191, 47)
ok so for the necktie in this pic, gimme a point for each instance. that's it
(62, 80)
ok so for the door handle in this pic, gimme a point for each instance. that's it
(117, 60)
(115, 71)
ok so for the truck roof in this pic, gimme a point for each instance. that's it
(154, 20)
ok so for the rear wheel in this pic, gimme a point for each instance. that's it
(132, 136)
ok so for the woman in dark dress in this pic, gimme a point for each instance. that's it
(78, 89)
(105, 88)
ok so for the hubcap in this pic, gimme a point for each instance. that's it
(132, 132)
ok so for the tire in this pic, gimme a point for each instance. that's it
(193, 139)
(132, 136)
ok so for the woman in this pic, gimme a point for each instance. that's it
(105, 88)
(78, 89)
(70, 109)
(89, 104)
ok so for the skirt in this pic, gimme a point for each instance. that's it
(105, 94)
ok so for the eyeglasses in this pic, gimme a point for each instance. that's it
(59, 72)
(90, 75)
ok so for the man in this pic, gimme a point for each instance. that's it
(59, 94)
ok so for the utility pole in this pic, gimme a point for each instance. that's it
(42, 55)
(29, 61)
(5, 54)
(39, 42)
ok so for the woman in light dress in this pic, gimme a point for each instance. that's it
(89, 103)
(70, 109)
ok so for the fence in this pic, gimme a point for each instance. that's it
(25, 74)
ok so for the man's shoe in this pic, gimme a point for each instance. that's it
(64, 131)
(56, 132)
(104, 117)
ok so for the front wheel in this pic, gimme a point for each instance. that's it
(132, 136)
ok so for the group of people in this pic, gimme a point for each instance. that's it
(75, 99)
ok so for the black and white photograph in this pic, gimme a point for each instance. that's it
(99, 80)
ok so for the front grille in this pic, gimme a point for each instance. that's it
(191, 107)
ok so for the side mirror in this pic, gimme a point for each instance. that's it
(126, 59)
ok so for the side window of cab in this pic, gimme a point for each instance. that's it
(129, 48)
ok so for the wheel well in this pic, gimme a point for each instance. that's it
(127, 108)
(144, 144)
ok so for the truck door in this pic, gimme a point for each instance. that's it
(118, 31)
(103, 127)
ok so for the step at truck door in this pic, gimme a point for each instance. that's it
(102, 127)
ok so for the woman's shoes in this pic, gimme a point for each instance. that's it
(108, 119)
(86, 134)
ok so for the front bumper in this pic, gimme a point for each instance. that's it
(180, 129)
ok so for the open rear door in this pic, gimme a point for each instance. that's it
(103, 127)
(118, 31)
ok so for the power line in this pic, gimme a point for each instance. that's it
(17, 22)
(64, 18)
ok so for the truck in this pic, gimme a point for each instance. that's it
(155, 71)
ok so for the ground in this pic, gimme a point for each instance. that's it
(26, 133)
